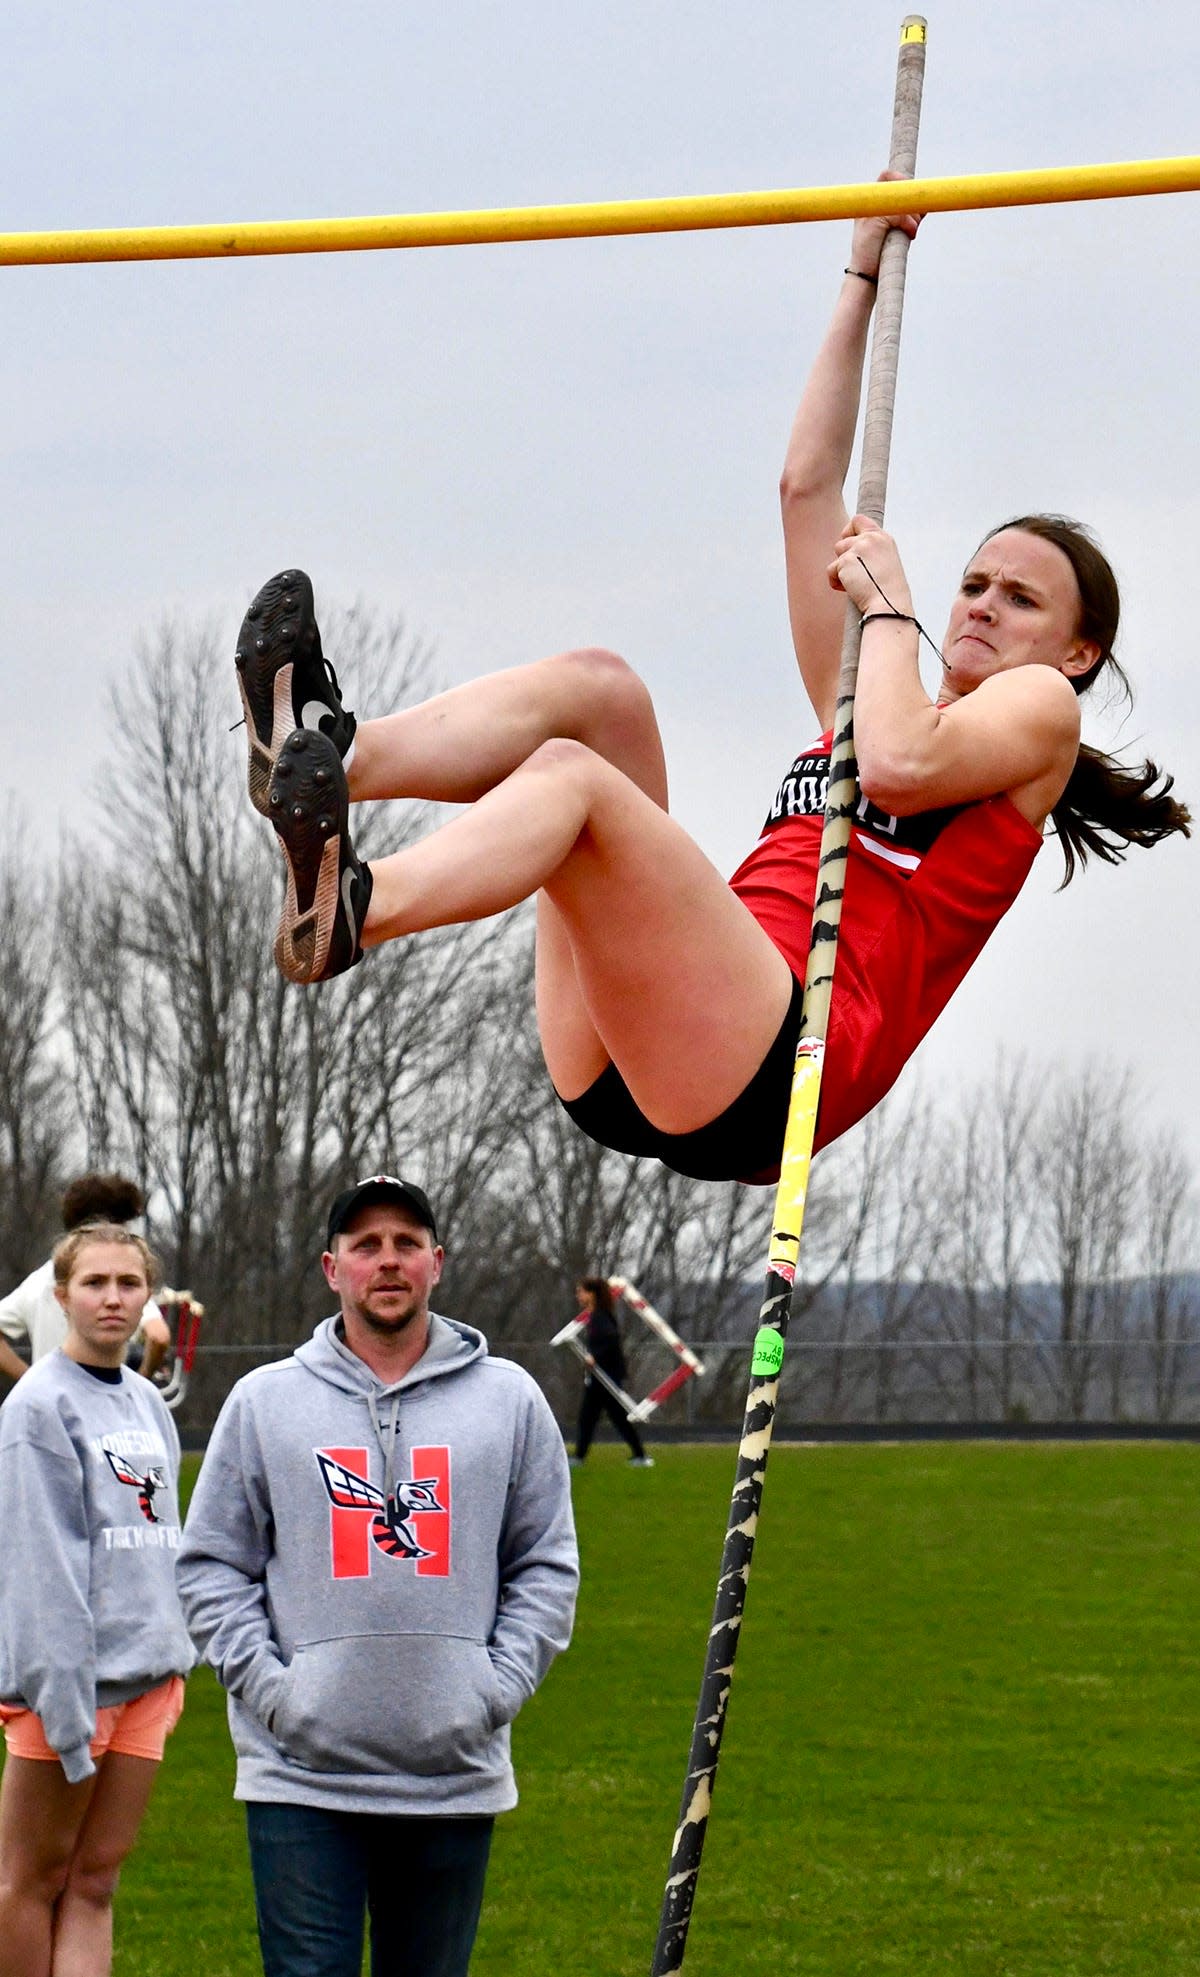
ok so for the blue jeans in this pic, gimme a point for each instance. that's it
(318, 1874)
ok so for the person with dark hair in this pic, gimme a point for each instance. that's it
(101, 1198)
(668, 1000)
(603, 1340)
(380, 1564)
(32, 1316)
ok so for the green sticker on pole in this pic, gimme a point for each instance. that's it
(768, 1353)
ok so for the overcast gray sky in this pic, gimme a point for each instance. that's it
(525, 447)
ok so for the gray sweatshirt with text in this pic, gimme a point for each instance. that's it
(381, 1576)
(89, 1615)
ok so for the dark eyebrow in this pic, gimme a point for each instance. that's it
(1007, 583)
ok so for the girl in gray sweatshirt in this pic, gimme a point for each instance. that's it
(92, 1641)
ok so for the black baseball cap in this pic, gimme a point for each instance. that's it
(379, 1187)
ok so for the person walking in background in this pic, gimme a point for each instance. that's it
(32, 1316)
(603, 1341)
(93, 1646)
(380, 1564)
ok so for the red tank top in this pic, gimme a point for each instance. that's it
(923, 894)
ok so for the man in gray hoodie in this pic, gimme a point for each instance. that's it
(379, 1562)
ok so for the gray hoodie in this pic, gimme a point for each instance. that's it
(89, 1615)
(381, 1576)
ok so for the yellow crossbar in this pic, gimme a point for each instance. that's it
(1059, 184)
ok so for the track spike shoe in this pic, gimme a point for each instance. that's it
(284, 678)
(328, 887)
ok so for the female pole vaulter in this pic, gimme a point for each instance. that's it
(668, 998)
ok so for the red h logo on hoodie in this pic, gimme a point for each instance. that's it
(414, 1525)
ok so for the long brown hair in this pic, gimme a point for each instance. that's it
(1107, 804)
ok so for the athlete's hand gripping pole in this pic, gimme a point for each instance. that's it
(806, 1084)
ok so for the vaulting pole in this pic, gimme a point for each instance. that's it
(234, 239)
(767, 1360)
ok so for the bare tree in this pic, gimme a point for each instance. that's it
(1088, 1167)
(985, 1186)
(1017, 1099)
(1169, 1242)
(906, 1246)
(868, 1230)
(849, 1177)
(243, 1103)
(966, 1187)
(34, 1118)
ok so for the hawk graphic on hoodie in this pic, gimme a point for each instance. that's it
(390, 1527)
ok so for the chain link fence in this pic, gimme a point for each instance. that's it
(868, 1385)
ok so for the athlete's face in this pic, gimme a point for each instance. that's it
(1017, 605)
(384, 1267)
(103, 1299)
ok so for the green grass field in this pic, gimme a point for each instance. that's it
(963, 1733)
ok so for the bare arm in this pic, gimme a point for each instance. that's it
(17, 1313)
(1016, 733)
(157, 1335)
(815, 468)
(12, 1365)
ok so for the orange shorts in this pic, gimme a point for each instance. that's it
(136, 1729)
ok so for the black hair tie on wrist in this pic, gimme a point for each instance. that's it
(873, 279)
(892, 612)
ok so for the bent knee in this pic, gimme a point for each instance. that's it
(93, 1878)
(596, 663)
(561, 755)
(44, 1880)
(608, 681)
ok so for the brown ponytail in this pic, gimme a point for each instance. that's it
(1107, 804)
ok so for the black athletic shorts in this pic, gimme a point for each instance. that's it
(745, 1143)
